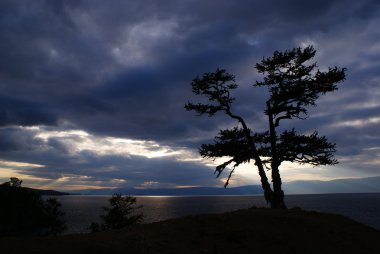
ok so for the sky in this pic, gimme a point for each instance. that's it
(92, 93)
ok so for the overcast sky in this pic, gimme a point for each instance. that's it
(92, 93)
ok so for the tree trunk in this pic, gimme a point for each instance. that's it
(278, 194)
(277, 200)
(268, 193)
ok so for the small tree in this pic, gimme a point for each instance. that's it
(122, 213)
(293, 85)
(52, 216)
(15, 182)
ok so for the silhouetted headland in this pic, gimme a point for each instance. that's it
(48, 192)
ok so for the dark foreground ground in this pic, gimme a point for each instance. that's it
(244, 231)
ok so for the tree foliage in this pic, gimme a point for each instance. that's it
(24, 212)
(293, 85)
(121, 213)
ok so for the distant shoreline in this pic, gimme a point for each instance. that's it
(361, 185)
(48, 192)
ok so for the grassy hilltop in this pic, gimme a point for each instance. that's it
(243, 231)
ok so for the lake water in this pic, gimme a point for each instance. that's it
(80, 211)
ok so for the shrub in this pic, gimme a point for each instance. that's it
(122, 213)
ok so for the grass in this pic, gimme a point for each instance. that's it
(243, 231)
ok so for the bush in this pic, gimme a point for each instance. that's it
(23, 212)
(122, 213)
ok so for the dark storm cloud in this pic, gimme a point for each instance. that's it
(123, 68)
(24, 112)
(13, 139)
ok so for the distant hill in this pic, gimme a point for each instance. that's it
(362, 185)
(47, 192)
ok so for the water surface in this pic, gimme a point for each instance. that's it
(80, 211)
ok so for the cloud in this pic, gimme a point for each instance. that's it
(24, 112)
(60, 156)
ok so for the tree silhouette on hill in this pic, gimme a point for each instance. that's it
(293, 85)
(23, 212)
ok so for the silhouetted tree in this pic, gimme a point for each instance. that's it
(121, 213)
(53, 216)
(293, 84)
(15, 182)
(24, 212)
